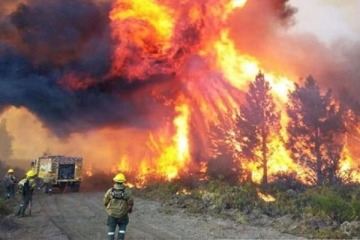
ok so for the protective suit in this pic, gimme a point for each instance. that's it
(118, 202)
(26, 189)
(9, 182)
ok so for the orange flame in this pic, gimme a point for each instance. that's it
(143, 24)
(177, 155)
(89, 171)
(145, 31)
(266, 197)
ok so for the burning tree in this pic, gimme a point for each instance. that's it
(349, 109)
(257, 122)
(158, 72)
(315, 132)
(223, 163)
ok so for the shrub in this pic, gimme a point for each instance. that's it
(289, 202)
(329, 202)
(242, 197)
(355, 204)
(285, 181)
(330, 234)
(162, 191)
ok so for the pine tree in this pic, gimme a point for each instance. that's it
(257, 121)
(315, 132)
(223, 163)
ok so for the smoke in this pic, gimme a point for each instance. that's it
(45, 43)
(262, 30)
(58, 33)
(57, 59)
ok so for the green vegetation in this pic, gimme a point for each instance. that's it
(316, 212)
(335, 203)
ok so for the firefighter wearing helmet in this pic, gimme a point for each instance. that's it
(118, 202)
(48, 182)
(26, 189)
(9, 182)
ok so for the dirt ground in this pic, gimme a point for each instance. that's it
(82, 216)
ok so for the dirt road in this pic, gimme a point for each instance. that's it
(82, 216)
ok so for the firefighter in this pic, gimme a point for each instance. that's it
(26, 188)
(47, 182)
(9, 183)
(118, 202)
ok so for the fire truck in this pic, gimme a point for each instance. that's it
(65, 171)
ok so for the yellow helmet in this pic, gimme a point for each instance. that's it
(11, 170)
(30, 173)
(120, 178)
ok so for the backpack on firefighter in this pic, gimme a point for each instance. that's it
(117, 193)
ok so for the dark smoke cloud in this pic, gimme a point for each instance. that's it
(40, 42)
(61, 110)
(60, 33)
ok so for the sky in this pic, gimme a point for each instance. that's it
(330, 20)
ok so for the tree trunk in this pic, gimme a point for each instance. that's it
(319, 162)
(264, 159)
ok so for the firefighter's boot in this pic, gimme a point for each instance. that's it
(21, 211)
(121, 235)
(111, 235)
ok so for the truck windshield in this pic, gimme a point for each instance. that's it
(66, 171)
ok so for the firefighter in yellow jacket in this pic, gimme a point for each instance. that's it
(26, 188)
(119, 202)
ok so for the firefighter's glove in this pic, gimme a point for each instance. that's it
(130, 209)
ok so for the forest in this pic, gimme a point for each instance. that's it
(319, 199)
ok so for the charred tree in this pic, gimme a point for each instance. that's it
(315, 132)
(257, 121)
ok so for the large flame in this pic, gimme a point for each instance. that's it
(151, 28)
(187, 46)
